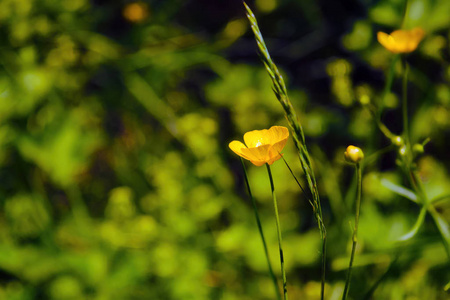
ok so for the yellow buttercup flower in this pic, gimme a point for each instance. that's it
(262, 146)
(401, 41)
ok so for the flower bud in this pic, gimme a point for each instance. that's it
(402, 151)
(353, 154)
(418, 149)
(397, 141)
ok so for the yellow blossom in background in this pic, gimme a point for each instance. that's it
(262, 146)
(401, 41)
(135, 12)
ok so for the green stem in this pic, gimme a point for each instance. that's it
(324, 251)
(275, 205)
(405, 13)
(440, 224)
(355, 230)
(414, 179)
(298, 182)
(261, 233)
(387, 86)
(417, 185)
(405, 102)
(323, 231)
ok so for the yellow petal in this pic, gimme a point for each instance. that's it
(269, 136)
(386, 41)
(256, 138)
(277, 134)
(275, 151)
(401, 41)
(262, 146)
(257, 155)
(274, 159)
(416, 35)
(400, 35)
(258, 163)
(237, 147)
(278, 147)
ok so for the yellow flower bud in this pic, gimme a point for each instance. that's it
(418, 149)
(353, 154)
(397, 141)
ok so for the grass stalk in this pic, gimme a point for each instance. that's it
(355, 230)
(280, 242)
(279, 88)
(261, 233)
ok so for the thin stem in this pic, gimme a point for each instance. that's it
(405, 13)
(387, 87)
(405, 102)
(355, 230)
(324, 261)
(261, 233)
(275, 205)
(324, 235)
(298, 182)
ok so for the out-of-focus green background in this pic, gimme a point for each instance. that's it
(115, 173)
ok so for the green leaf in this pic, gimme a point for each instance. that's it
(410, 234)
(443, 198)
(441, 224)
(402, 191)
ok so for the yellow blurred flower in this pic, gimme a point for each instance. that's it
(135, 12)
(401, 41)
(262, 146)
(353, 154)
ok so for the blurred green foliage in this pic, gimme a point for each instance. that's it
(116, 178)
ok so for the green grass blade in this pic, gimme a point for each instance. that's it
(442, 226)
(399, 190)
(440, 199)
(410, 234)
